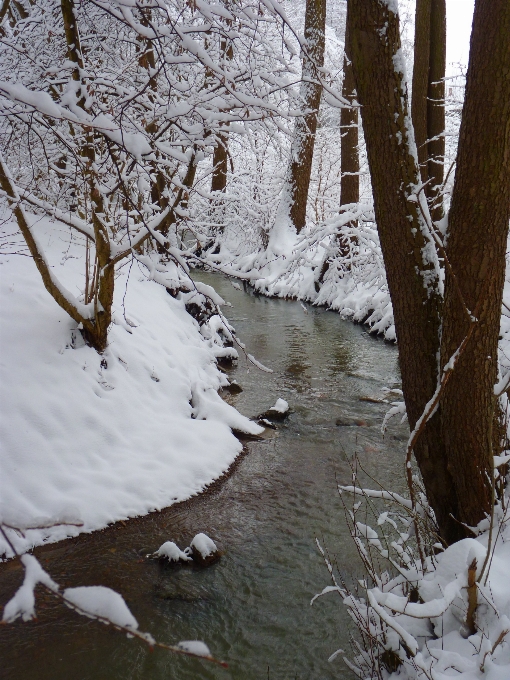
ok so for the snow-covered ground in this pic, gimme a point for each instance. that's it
(96, 439)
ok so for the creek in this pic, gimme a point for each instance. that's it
(252, 607)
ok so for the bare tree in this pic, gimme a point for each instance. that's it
(349, 158)
(476, 241)
(453, 442)
(295, 194)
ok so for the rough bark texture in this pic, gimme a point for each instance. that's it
(306, 126)
(220, 156)
(427, 107)
(421, 82)
(476, 247)
(349, 154)
(409, 257)
(435, 107)
(220, 163)
(349, 159)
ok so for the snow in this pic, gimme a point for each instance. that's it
(99, 439)
(172, 552)
(23, 602)
(204, 545)
(196, 647)
(281, 406)
(101, 602)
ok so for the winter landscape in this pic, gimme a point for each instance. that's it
(254, 339)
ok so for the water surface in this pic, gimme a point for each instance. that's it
(252, 608)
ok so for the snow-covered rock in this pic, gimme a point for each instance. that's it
(204, 550)
(172, 553)
(277, 412)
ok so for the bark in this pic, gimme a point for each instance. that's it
(220, 156)
(104, 270)
(421, 82)
(349, 154)
(306, 126)
(180, 203)
(435, 108)
(427, 107)
(476, 247)
(409, 256)
(220, 163)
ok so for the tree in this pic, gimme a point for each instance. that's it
(451, 461)
(108, 139)
(295, 194)
(349, 154)
(427, 106)
(220, 156)
(476, 241)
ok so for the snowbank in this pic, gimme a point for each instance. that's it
(357, 290)
(452, 619)
(94, 439)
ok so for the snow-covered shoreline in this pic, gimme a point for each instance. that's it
(95, 439)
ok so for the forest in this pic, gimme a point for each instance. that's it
(254, 300)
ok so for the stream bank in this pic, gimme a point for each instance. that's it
(252, 607)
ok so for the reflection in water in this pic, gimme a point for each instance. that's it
(252, 608)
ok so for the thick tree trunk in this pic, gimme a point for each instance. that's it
(476, 247)
(306, 126)
(427, 107)
(411, 263)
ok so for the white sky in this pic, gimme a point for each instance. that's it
(459, 15)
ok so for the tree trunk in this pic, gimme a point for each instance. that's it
(476, 248)
(220, 156)
(409, 255)
(349, 154)
(306, 126)
(435, 108)
(421, 83)
(220, 163)
(103, 285)
(427, 106)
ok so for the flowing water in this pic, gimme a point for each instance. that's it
(253, 607)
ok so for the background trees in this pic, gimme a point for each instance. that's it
(106, 132)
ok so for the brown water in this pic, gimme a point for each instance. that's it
(252, 608)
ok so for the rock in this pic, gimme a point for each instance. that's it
(204, 551)
(356, 422)
(266, 423)
(171, 552)
(343, 422)
(277, 412)
(234, 387)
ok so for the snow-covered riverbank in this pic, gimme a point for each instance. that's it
(95, 439)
